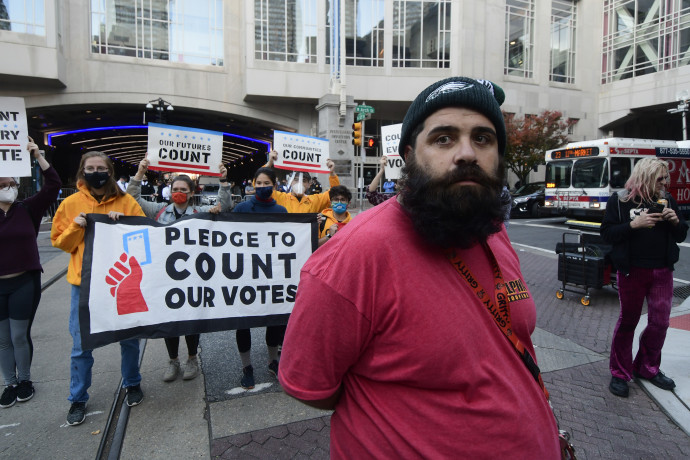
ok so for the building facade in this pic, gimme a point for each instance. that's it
(247, 67)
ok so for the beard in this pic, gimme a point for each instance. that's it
(449, 215)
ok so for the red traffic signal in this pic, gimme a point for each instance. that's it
(372, 142)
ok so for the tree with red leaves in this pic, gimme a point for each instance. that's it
(529, 138)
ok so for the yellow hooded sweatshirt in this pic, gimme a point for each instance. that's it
(309, 203)
(69, 236)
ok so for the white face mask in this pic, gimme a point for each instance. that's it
(8, 196)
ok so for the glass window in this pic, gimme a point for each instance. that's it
(188, 31)
(285, 30)
(620, 171)
(519, 38)
(421, 34)
(563, 27)
(23, 16)
(558, 173)
(590, 173)
(643, 37)
(363, 32)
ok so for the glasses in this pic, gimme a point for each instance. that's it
(339, 200)
(91, 169)
(4, 187)
(663, 179)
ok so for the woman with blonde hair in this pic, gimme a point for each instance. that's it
(98, 193)
(643, 225)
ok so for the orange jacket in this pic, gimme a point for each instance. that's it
(309, 203)
(69, 236)
(329, 215)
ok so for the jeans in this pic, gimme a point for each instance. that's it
(656, 284)
(82, 360)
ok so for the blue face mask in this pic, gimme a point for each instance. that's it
(339, 208)
(264, 193)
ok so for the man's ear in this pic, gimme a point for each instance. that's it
(408, 150)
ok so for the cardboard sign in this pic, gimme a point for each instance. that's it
(15, 160)
(202, 273)
(190, 150)
(298, 152)
(390, 138)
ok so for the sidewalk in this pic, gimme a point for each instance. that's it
(211, 417)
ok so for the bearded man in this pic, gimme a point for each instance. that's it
(403, 323)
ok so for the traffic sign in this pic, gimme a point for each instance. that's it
(363, 116)
(364, 109)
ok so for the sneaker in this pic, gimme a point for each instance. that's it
(659, 381)
(273, 368)
(247, 381)
(134, 395)
(9, 396)
(619, 387)
(191, 368)
(76, 414)
(25, 391)
(172, 371)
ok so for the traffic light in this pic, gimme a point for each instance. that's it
(372, 142)
(357, 134)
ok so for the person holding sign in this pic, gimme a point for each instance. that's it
(20, 277)
(335, 217)
(182, 193)
(436, 264)
(99, 193)
(374, 196)
(261, 202)
(296, 200)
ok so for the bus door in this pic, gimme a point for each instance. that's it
(557, 186)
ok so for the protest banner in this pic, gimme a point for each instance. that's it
(202, 273)
(298, 152)
(390, 138)
(15, 160)
(180, 149)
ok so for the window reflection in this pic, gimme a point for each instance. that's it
(188, 31)
(519, 38)
(285, 30)
(23, 16)
(421, 34)
(563, 27)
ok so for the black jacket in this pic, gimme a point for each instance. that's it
(616, 230)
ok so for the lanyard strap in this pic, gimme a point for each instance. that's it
(498, 306)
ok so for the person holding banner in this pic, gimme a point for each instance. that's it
(20, 277)
(261, 202)
(99, 193)
(335, 217)
(435, 264)
(296, 200)
(374, 196)
(182, 193)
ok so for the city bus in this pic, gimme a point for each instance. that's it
(581, 176)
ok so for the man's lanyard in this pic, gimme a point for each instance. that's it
(498, 306)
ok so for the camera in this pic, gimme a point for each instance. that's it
(656, 208)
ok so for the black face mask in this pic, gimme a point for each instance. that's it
(96, 179)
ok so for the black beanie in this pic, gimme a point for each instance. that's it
(480, 95)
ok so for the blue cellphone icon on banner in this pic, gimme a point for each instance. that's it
(136, 244)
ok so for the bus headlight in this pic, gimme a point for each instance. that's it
(594, 204)
(548, 203)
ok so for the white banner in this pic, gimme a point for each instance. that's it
(298, 152)
(180, 149)
(199, 274)
(15, 160)
(390, 138)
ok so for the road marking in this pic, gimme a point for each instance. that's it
(533, 247)
(9, 426)
(239, 390)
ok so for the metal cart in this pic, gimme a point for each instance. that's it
(582, 264)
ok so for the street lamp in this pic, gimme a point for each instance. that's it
(161, 107)
(683, 106)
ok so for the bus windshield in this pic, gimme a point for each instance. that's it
(591, 173)
(558, 173)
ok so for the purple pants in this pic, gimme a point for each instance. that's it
(656, 284)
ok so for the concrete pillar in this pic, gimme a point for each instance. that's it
(339, 132)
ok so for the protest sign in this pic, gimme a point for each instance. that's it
(180, 149)
(298, 152)
(390, 138)
(202, 273)
(15, 160)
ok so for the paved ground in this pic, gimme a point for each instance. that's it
(210, 417)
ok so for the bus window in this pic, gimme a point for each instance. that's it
(558, 173)
(590, 173)
(620, 172)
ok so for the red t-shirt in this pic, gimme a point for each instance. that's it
(426, 372)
